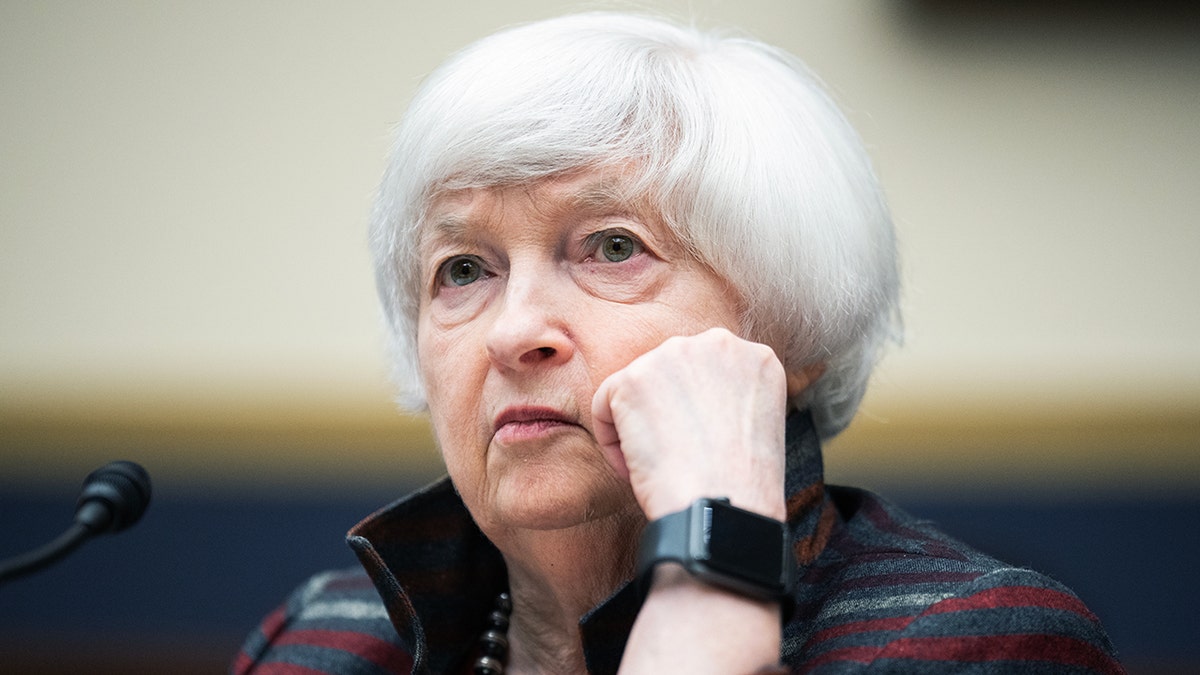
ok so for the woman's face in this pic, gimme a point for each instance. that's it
(532, 295)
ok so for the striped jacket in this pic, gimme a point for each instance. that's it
(879, 592)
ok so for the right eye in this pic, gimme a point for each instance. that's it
(460, 271)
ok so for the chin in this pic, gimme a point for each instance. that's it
(539, 499)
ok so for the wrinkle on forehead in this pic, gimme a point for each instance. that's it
(607, 195)
(580, 193)
(548, 198)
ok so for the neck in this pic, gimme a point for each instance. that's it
(557, 576)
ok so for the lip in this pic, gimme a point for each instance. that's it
(518, 423)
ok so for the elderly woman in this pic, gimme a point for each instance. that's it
(636, 273)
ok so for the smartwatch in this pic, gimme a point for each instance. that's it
(723, 545)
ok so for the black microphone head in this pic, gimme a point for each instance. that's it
(121, 490)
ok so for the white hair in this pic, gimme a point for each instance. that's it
(734, 142)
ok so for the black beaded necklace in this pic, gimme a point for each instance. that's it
(494, 640)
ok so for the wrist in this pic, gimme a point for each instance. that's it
(761, 500)
(702, 628)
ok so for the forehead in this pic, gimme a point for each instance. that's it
(454, 214)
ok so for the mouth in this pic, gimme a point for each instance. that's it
(520, 423)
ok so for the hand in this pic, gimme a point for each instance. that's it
(697, 416)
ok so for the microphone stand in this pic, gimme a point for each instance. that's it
(113, 497)
(27, 563)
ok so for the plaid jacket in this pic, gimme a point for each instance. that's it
(879, 592)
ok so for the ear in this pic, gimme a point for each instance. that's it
(803, 378)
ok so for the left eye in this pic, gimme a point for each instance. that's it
(617, 247)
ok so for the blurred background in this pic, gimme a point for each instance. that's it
(184, 282)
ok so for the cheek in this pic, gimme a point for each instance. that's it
(430, 355)
(443, 358)
(453, 364)
(705, 301)
(609, 341)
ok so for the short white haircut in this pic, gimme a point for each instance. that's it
(735, 144)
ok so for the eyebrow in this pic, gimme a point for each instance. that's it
(447, 228)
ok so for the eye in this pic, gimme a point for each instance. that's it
(460, 271)
(616, 246)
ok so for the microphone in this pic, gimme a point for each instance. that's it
(113, 498)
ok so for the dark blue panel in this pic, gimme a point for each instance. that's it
(1133, 562)
(195, 570)
(204, 570)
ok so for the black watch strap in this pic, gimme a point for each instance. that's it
(666, 539)
(721, 544)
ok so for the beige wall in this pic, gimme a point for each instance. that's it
(184, 188)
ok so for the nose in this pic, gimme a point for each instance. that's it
(531, 328)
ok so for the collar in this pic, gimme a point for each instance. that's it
(438, 575)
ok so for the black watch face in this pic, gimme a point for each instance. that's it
(744, 545)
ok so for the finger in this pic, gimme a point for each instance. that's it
(604, 428)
